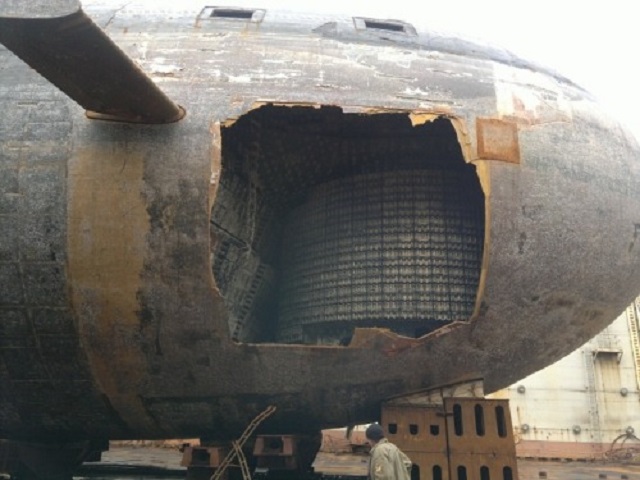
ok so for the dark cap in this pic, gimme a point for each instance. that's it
(374, 432)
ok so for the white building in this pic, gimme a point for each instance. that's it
(587, 404)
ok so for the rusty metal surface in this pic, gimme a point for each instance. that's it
(483, 466)
(420, 432)
(141, 346)
(430, 465)
(479, 434)
(497, 140)
(480, 440)
(549, 449)
(416, 429)
(436, 437)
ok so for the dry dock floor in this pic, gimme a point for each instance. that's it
(168, 458)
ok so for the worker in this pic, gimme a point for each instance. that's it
(387, 461)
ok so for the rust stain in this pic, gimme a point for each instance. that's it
(483, 172)
(107, 223)
(391, 344)
(216, 162)
(418, 117)
(540, 114)
(214, 182)
(497, 140)
(382, 340)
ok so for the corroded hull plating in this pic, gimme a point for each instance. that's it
(112, 325)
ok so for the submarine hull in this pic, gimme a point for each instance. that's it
(121, 315)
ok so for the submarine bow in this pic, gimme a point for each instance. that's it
(341, 210)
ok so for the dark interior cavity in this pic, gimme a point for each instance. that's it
(326, 221)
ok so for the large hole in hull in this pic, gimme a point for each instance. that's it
(326, 221)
